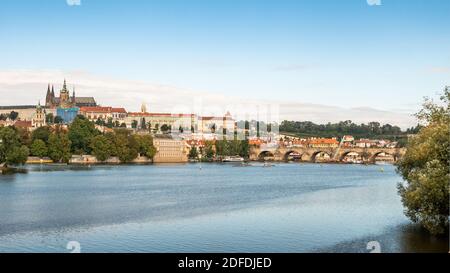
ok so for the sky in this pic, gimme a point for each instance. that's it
(349, 54)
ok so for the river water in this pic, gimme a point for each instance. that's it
(208, 208)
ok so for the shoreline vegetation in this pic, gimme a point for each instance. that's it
(83, 143)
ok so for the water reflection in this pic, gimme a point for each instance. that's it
(218, 208)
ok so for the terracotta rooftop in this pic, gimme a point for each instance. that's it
(99, 109)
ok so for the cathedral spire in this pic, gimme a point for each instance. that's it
(65, 85)
(48, 97)
(73, 94)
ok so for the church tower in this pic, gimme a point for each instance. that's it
(39, 117)
(74, 101)
(48, 97)
(64, 97)
(143, 108)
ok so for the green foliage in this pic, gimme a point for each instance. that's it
(208, 150)
(134, 124)
(126, 146)
(193, 153)
(11, 150)
(39, 148)
(425, 167)
(232, 148)
(41, 133)
(17, 155)
(58, 120)
(165, 128)
(80, 133)
(145, 145)
(13, 115)
(370, 130)
(59, 147)
(24, 136)
(110, 123)
(101, 147)
(50, 118)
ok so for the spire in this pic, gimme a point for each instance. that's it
(64, 86)
(53, 92)
(48, 97)
(143, 108)
(73, 94)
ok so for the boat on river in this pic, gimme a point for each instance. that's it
(233, 159)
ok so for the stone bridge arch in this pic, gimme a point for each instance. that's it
(395, 155)
(342, 155)
(313, 157)
(265, 154)
(302, 155)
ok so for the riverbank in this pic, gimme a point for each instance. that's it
(142, 160)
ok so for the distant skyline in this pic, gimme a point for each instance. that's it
(346, 54)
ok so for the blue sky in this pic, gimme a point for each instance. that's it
(333, 52)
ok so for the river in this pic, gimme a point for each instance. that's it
(208, 208)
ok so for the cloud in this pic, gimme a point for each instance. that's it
(440, 69)
(20, 87)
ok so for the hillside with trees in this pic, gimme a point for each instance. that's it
(371, 130)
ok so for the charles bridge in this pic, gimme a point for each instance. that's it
(307, 154)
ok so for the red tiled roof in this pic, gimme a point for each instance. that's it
(140, 114)
(323, 141)
(23, 124)
(99, 109)
(119, 110)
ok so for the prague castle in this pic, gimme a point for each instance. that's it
(65, 100)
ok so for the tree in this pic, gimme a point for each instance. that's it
(208, 151)
(110, 123)
(100, 122)
(49, 118)
(24, 136)
(101, 147)
(58, 120)
(244, 150)
(17, 155)
(13, 115)
(165, 128)
(11, 150)
(134, 124)
(126, 146)
(80, 133)
(41, 133)
(145, 145)
(193, 153)
(59, 146)
(39, 148)
(425, 168)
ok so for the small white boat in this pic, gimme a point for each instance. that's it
(233, 159)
